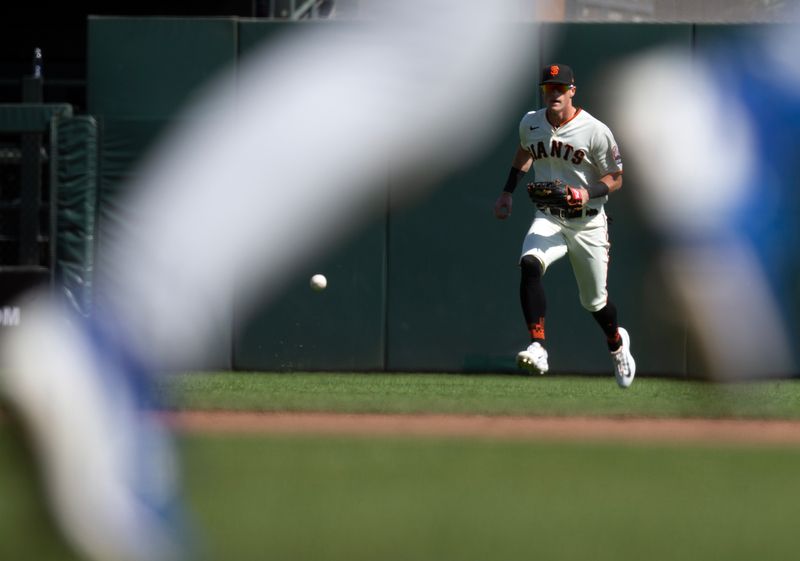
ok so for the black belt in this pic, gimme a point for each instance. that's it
(575, 213)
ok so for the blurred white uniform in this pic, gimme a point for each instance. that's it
(285, 164)
(718, 159)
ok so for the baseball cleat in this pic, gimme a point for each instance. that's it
(533, 359)
(624, 365)
(108, 464)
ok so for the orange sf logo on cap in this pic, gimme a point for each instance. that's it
(554, 70)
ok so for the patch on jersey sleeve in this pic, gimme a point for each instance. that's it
(616, 155)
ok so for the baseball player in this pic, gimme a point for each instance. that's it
(569, 148)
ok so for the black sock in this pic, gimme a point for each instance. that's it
(607, 319)
(532, 298)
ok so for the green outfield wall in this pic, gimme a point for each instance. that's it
(428, 285)
(141, 73)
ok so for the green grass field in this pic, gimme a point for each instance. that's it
(351, 498)
(482, 394)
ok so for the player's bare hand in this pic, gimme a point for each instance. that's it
(502, 206)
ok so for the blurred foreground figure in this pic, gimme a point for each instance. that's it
(715, 137)
(285, 164)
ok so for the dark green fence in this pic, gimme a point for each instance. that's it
(429, 286)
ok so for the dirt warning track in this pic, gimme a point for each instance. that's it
(540, 428)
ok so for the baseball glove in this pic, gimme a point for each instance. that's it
(554, 194)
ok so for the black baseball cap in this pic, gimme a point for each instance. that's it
(557, 74)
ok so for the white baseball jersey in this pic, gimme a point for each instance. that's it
(579, 152)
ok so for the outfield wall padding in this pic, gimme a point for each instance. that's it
(431, 285)
(142, 72)
(77, 172)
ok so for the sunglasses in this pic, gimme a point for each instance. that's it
(560, 88)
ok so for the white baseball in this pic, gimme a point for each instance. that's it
(318, 282)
